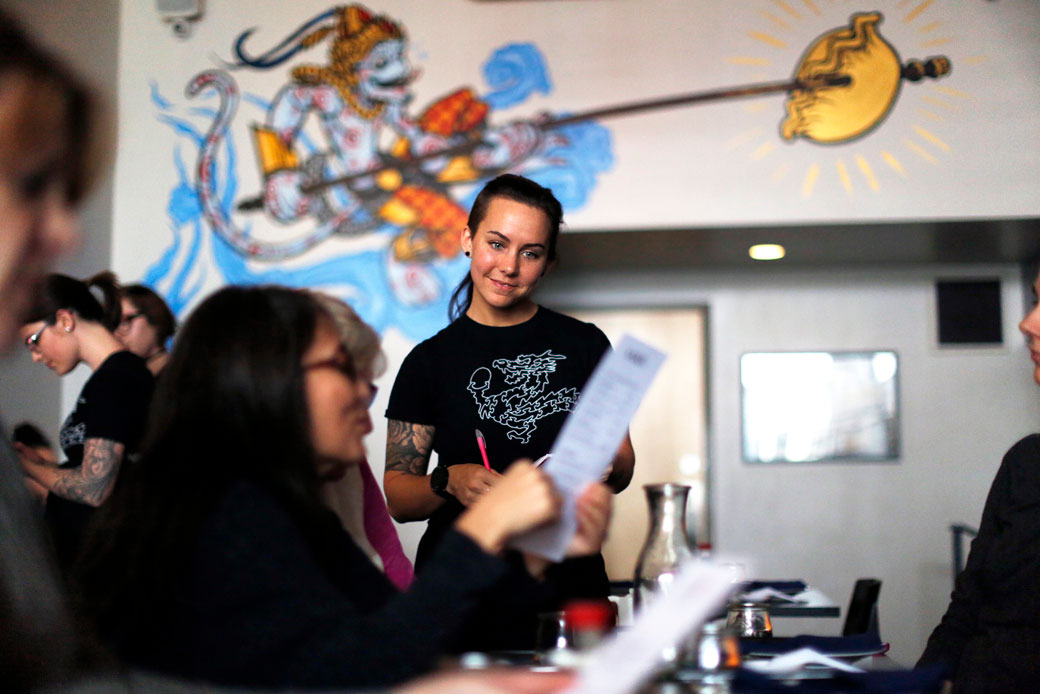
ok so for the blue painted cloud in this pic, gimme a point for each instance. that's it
(514, 72)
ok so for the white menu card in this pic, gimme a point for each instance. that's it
(591, 435)
(631, 657)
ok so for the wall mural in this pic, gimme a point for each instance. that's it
(327, 174)
(863, 75)
(342, 154)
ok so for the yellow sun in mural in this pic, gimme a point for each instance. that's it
(874, 77)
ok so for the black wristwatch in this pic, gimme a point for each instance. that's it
(439, 481)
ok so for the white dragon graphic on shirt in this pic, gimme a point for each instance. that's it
(525, 400)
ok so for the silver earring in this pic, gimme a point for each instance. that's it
(68, 329)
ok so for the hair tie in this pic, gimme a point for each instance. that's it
(98, 293)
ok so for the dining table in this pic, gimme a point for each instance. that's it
(811, 602)
(804, 654)
(879, 674)
(789, 598)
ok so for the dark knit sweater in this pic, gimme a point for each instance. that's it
(257, 608)
(990, 634)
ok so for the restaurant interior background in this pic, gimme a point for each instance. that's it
(676, 198)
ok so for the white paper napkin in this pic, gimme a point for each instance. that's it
(796, 660)
(768, 594)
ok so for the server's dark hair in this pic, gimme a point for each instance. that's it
(63, 292)
(518, 189)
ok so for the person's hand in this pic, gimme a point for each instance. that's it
(523, 498)
(489, 682)
(284, 198)
(593, 508)
(468, 482)
(36, 490)
(27, 456)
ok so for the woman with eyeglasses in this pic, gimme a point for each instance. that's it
(147, 324)
(217, 559)
(353, 492)
(68, 325)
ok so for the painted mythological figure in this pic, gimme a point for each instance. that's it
(357, 96)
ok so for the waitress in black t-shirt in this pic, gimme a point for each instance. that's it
(67, 325)
(505, 366)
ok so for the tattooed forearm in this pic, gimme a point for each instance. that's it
(408, 446)
(92, 481)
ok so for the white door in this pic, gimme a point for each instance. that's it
(669, 432)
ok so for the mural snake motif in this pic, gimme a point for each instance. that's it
(205, 185)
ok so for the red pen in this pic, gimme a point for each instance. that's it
(483, 448)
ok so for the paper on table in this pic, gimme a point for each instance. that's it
(631, 657)
(796, 660)
(591, 435)
(769, 595)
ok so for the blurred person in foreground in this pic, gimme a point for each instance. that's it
(990, 634)
(46, 123)
(45, 120)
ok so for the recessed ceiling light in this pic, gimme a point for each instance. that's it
(767, 251)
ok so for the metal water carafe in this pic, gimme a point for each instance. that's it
(667, 543)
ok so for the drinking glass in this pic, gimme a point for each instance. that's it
(750, 620)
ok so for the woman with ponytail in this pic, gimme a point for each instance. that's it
(72, 322)
(510, 369)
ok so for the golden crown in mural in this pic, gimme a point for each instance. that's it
(357, 32)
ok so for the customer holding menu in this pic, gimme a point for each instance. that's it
(990, 634)
(218, 560)
(512, 370)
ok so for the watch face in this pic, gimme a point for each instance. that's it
(439, 479)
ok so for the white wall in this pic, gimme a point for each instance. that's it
(833, 523)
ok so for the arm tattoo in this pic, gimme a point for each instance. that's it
(92, 481)
(408, 446)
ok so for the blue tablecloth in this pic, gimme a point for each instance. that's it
(923, 681)
(857, 645)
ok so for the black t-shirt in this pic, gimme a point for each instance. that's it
(113, 405)
(517, 384)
